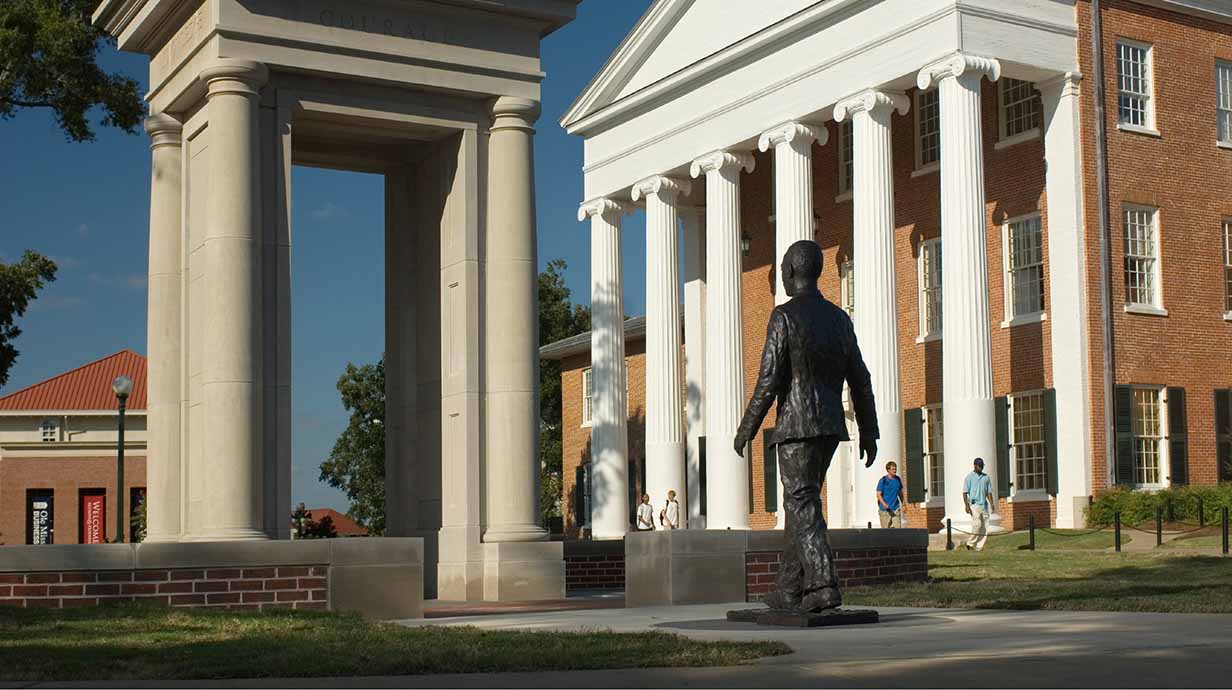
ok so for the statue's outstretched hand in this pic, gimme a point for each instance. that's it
(868, 449)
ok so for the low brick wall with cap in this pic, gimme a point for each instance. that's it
(856, 567)
(596, 564)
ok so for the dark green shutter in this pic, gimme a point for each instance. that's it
(1223, 433)
(913, 445)
(1123, 410)
(770, 472)
(1050, 440)
(1001, 407)
(1178, 437)
(701, 471)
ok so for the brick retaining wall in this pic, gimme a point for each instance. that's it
(856, 567)
(594, 565)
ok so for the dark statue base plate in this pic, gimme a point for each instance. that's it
(803, 619)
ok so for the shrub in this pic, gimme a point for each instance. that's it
(1138, 507)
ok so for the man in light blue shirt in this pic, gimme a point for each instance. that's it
(979, 501)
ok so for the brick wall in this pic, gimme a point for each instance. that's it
(856, 567)
(299, 587)
(66, 476)
(594, 571)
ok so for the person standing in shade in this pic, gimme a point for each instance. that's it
(978, 498)
(890, 497)
(645, 515)
(670, 515)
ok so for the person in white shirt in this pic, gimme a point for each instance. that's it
(645, 514)
(670, 517)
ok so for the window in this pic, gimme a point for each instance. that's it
(927, 128)
(934, 451)
(588, 392)
(1134, 83)
(1141, 256)
(847, 275)
(50, 431)
(1148, 436)
(1223, 81)
(1020, 108)
(1227, 266)
(846, 156)
(930, 288)
(1027, 441)
(1024, 267)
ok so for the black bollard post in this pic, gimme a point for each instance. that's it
(1116, 521)
(870, 524)
(1159, 527)
(1225, 531)
(1031, 528)
(1201, 513)
(949, 534)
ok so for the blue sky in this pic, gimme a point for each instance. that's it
(87, 206)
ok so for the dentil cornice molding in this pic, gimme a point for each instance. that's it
(600, 207)
(870, 101)
(796, 133)
(957, 65)
(664, 187)
(721, 160)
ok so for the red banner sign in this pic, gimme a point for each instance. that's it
(93, 514)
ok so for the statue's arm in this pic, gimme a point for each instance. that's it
(861, 385)
(769, 380)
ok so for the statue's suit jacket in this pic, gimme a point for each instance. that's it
(810, 351)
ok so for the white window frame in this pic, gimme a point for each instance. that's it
(49, 430)
(1165, 465)
(588, 398)
(922, 168)
(846, 165)
(1156, 306)
(1006, 139)
(1016, 494)
(1148, 125)
(847, 284)
(933, 499)
(926, 333)
(1223, 103)
(1227, 269)
(1012, 317)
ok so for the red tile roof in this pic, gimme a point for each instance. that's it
(345, 526)
(85, 388)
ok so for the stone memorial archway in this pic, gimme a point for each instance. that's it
(438, 96)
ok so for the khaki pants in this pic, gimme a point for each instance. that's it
(979, 528)
(894, 519)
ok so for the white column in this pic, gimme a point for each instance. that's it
(727, 489)
(793, 204)
(875, 282)
(163, 332)
(694, 224)
(511, 347)
(966, 359)
(665, 442)
(609, 434)
(1067, 294)
(232, 380)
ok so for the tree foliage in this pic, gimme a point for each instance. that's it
(48, 59)
(19, 283)
(307, 528)
(357, 463)
(559, 318)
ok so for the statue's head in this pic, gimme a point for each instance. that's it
(801, 267)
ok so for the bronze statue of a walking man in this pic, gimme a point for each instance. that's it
(810, 351)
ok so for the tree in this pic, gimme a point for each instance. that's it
(19, 283)
(357, 463)
(305, 527)
(559, 318)
(48, 59)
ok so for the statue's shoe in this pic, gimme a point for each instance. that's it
(822, 599)
(778, 600)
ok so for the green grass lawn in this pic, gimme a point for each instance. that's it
(1209, 538)
(1053, 539)
(139, 642)
(1063, 580)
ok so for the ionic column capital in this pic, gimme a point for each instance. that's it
(720, 161)
(164, 130)
(232, 75)
(606, 208)
(797, 134)
(870, 101)
(957, 65)
(665, 188)
(511, 112)
(1060, 86)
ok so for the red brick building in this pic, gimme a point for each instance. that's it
(1138, 275)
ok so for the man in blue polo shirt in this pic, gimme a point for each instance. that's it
(890, 497)
(978, 500)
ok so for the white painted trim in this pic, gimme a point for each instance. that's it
(1224, 144)
(1007, 285)
(845, 196)
(919, 291)
(1029, 496)
(1026, 319)
(932, 502)
(1029, 135)
(1227, 316)
(1151, 115)
(1145, 310)
(1156, 309)
(926, 170)
(931, 337)
(1135, 129)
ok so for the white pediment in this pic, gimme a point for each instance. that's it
(672, 35)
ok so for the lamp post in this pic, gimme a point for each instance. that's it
(122, 386)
